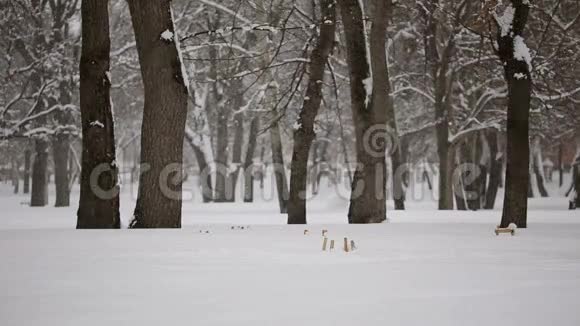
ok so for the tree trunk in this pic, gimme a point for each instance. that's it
(368, 198)
(39, 193)
(164, 116)
(222, 187)
(398, 179)
(518, 78)
(26, 173)
(237, 152)
(304, 135)
(249, 161)
(397, 166)
(560, 164)
(279, 168)
(99, 197)
(60, 149)
(495, 170)
(461, 190)
(204, 170)
(445, 172)
(438, 64)
(477, 182)
(15, 175)
(537, 168)
(575, 201)
(576, 176)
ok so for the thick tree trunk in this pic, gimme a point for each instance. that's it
(495, 170)
(99, 197)
(518, 78)
(159, 200)
(60, 149)
(249, 161)
(304, 135)
(368, 196)
(26, 172)
(39, 193)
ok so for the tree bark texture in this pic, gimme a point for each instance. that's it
(518, 78)
(26, 172)
(304, 135)
(99, 198)
(39, 192)
(495, 170)
(368, 196)
(249, 161)
(164, 116)
(60, 150)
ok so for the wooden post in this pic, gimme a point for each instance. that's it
(324, 244)
(345, 245)
(331, 245)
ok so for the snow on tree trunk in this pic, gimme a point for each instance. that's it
(368, 198)
(515, 58)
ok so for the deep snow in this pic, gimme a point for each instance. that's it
(424, 268)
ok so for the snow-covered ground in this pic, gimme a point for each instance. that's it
(425, 267)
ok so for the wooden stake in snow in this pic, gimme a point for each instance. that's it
(345, 245)
(510, 229)
(324, 244)
(331, 245)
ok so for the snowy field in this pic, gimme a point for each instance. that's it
(425, 267)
